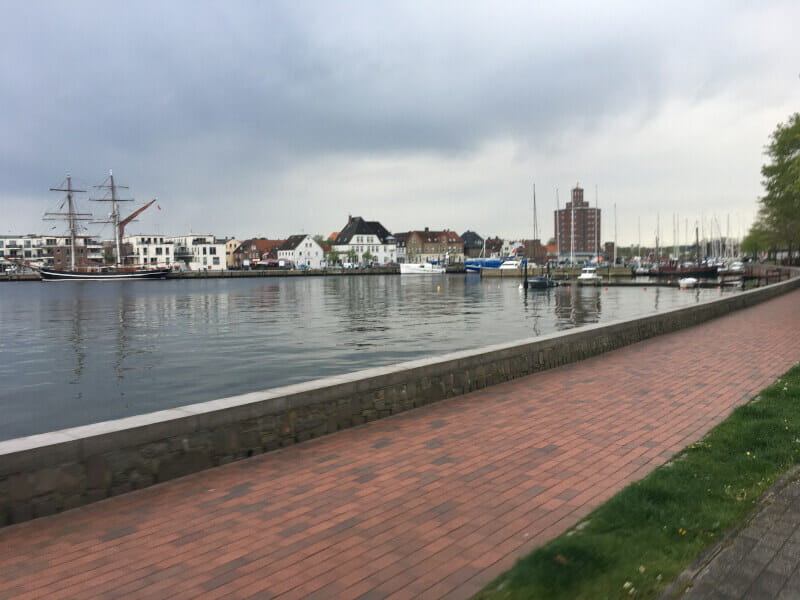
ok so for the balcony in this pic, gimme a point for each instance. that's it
(183, 253)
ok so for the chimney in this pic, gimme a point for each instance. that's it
(349, 218)
(426, 229)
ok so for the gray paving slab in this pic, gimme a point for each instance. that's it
(758, 561)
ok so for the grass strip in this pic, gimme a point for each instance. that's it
(647, 534)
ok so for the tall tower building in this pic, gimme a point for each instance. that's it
(583, 221)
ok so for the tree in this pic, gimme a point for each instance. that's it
(332, 258)
(779, 214)
(367, 257)
(352, 256)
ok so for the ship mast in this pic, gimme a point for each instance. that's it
(113, 187)
(71, 217)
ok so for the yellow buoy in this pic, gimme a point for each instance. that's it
(437, 289)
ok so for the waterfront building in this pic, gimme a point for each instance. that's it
(303, 250)
(608, 251)
(401, 239)
(250, 252)
(473, 244)
(360, 238)
(583, 221)
(190, 253)
(200, 253)
(534, 251)
(515, 248)
(230, 247)
(494, 248)
(148, 249)
(49, 251)
(434, 246)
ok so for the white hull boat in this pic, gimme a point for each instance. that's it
(589, 276)
(421, 269)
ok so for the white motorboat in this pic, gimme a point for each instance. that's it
(687, 282)
(510, 264)
(589, 276)
(736, 267)
(421, 269)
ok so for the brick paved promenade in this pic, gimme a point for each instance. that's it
(431, 503)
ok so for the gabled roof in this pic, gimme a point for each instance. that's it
(431, 237)
(262, 245)
(292, 242)
(402, 239)
(358, 226)
(494, 244)
(472, 239)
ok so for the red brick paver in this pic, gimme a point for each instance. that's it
(428, 504)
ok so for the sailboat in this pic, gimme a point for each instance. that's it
(93, 272)
(539, 282)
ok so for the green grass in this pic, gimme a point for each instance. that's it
(644, 537)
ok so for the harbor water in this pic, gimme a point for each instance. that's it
(78, 353)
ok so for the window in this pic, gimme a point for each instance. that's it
(158, 251)
(216, 260)
(212, 250)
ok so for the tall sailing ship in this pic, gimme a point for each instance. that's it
(89, 271)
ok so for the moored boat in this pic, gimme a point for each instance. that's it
(540, 282)
(474, 265)
(589, 276)
(421, 269)
(109, 274)
(88, 271)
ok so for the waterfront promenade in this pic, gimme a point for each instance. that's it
(431, 503)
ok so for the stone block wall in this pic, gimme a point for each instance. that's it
(48, 473)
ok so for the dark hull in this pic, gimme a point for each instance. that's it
(541, 283)
(54, 275)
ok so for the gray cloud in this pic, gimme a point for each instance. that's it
(212, 105)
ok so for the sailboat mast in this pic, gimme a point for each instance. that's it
(535, 225)
(572, 232)
(72, 218)
(112, 186)
(558, 228)
(115, 218)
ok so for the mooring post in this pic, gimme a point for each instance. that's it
(525, 275)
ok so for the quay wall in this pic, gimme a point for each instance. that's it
(48, 473)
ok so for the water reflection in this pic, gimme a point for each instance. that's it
(76, 353)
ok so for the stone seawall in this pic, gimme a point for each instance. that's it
(52, 472)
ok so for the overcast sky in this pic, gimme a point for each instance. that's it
(271, 119)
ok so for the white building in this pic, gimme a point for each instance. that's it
(190, 253)
(510, 247)
(360, 239)
(302, 250)
(199, 253)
